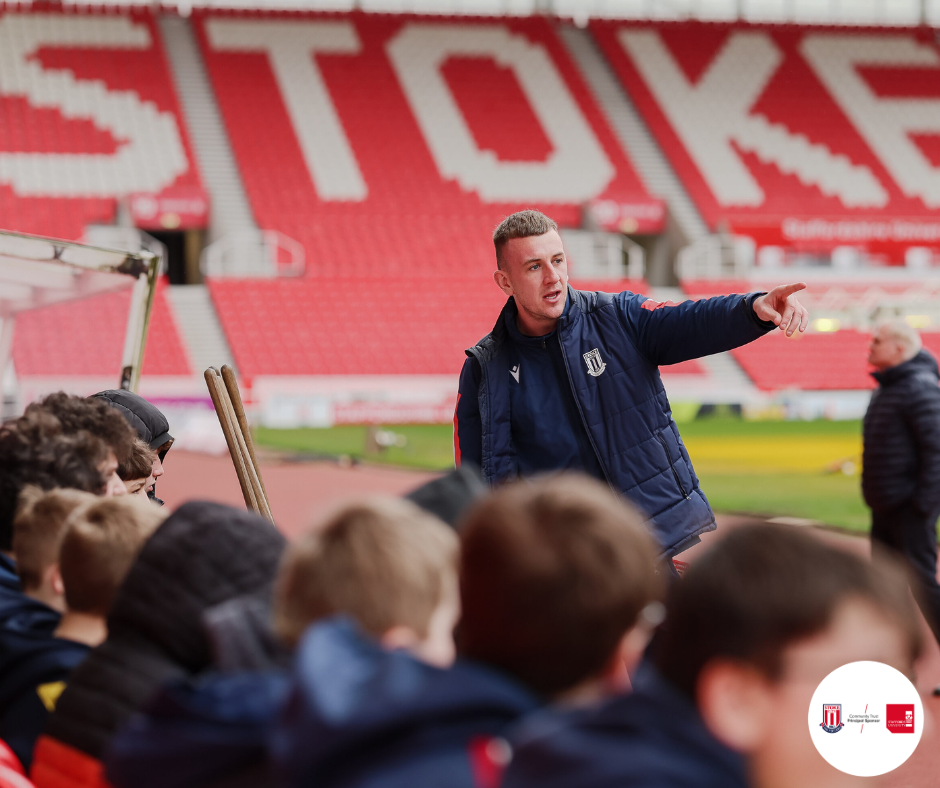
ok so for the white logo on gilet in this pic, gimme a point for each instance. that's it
(595, 366)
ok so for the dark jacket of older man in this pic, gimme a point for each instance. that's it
(901, 470)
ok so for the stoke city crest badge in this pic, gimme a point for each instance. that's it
(832, 718)
(595, 366)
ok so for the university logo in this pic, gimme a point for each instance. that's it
(595, 366)
(899, 717)
(832, 717)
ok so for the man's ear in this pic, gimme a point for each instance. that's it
(736, 703)
(502, 281)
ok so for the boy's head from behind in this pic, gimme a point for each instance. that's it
(758, 621)
(34, 450)
(386, 563)
(101, 542)
(38, 529)
(555, 574)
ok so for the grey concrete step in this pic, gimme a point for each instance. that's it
(230, 209)
(631, 130)
(199, 324)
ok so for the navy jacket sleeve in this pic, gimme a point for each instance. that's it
(468, 429)
(923, 417)
(667, 333)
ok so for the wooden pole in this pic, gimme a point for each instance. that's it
(228, 375)
(263, 509)
(215, 391)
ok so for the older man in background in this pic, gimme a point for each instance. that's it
(901, 460)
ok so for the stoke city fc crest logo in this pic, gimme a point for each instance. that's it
(595, 366)
(832, 717)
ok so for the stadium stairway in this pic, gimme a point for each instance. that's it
(632, 131)
(199, 327)
(230, 211)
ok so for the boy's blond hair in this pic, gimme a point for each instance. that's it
(383, 561)
(100, 544)
(38, 528)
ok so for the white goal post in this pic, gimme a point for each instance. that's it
(37, 272)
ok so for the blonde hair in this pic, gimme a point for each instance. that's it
(383, 561)
(522, 224)
(38, 528)
(101, 542)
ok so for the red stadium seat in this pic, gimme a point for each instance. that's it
(354, 326)
(814, 361)
(809, 361)
(86, 338)
(360, 326)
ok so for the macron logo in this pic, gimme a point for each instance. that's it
(515, 372)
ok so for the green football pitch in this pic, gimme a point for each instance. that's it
(779, 468)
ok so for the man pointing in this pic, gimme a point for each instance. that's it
(569, 379)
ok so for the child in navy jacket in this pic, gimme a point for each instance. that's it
(751, 629)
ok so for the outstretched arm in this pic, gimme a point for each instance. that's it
(668, 333)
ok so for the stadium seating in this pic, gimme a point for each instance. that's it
(86, 338)
(87, 115)
(827, 360)
(390, 146)
(399, 213)
(814, 361)
(358, 327)
(806, 137)
(400, 234)
(810, 361)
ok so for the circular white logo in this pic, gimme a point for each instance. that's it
(866, 718)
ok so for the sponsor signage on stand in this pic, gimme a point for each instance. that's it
(176, 208)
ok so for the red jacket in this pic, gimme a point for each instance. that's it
(11, 770)
(56, 765)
